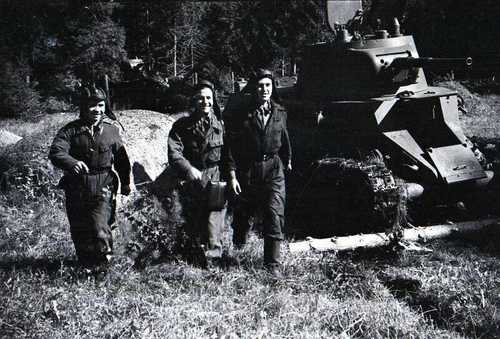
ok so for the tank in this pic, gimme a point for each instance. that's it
(374, 144)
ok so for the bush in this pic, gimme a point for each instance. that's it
(18, 98)
(57, 105)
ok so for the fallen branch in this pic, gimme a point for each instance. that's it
(382, 239)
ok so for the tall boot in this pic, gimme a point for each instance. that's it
(241, 228)
(272, 257)
(213, 239)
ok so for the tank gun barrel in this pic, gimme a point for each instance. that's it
(410, 62)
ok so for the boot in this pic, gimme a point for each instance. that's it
(241, 228)
(239, 239)
(272, 257)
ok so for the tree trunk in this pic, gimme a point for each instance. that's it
(175, 55)
(381, 239)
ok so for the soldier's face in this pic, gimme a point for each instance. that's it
(204, 101)
(264, 89)
(94, 112)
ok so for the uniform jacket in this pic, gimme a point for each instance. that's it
(75, 142)
(191, 144)
(249, 141)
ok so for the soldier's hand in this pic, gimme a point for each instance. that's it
(289, 167)
(194, 174)
(235, 186)
(125, 190)
(80, 168)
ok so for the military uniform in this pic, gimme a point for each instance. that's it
(199, 142)
(257, 151)
(90, 197)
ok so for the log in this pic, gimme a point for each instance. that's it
(381, 239)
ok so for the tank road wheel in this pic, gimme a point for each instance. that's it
(355, 202)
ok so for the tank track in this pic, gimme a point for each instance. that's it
(349, 196)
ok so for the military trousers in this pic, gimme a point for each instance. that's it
(204, 227)
(263, 190)
(90, 206)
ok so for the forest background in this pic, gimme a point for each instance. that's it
(47, 47)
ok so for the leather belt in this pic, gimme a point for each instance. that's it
(209, 165)
(266, 157)
(99, 170)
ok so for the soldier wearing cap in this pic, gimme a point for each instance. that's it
(88, 149)
(196, 152)
(259, 152)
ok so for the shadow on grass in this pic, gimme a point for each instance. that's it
(48, 265)
(448, 311)
(485, 240)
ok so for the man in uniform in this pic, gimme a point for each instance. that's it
(195, 151)
(259, 152)
(87, 149)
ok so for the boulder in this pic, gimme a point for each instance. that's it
(146, 135)
(7, 138)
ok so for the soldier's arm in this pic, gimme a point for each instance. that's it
(122, 162)
(229, 139)
(175, 153)
(286, 146)
(227, 155)
(59, 151)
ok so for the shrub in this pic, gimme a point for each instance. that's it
(18, 98)
(57, 105)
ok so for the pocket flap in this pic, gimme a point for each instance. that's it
(103, 148)
(216, 140)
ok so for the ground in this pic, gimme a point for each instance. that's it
(451, 292)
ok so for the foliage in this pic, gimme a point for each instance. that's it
(18, 98)
(163, 32)
(95, 47)
(154, 227)
(174, 38)
(244, 34)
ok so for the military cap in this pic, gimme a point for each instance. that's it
(208, 84)
(204, 84)
(91, 93)
(258, 74)
(263, 73)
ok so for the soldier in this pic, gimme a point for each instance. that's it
(259, 151)
(87, 149)
(195, 151)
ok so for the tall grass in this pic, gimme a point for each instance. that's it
(45, 294)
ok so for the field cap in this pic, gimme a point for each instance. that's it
(263, 73)
(204, 84)
(92, 94)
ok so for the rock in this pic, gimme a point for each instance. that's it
(146, 136)
(7, 138)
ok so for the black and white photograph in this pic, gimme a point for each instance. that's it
(250, 169)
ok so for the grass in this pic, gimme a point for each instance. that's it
(452, 292)
(44, 294)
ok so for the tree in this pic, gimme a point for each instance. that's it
(18, 98)
(244, 34)
(167, 35)
(94, 45)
